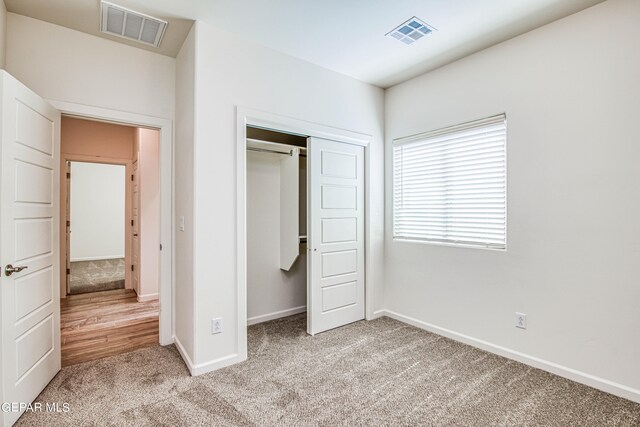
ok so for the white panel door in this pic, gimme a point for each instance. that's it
(335, 280)
(67, 220)
(29, 215)
(135, 231)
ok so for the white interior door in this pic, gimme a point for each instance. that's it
(335, 280)
(135, 231)
(29, 215)
(67, 219)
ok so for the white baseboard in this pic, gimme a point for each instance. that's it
(184, 354)
(148, 297)
(276, 315)
(213, 365)
(203, 368)
(97, 258)
(563, 371)
(379, 313)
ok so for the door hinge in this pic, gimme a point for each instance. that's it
(68, 223)
(68, 271)
(69, 175)
(131, 177)
(131, 267)
(160, 246)
(132, 223)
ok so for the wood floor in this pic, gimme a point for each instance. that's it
(101, 324)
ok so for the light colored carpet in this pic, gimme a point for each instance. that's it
(95, 276)
(381, 372)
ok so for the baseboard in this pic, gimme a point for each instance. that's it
(276, 315)
(213, 365)
(563, 371)
(148, 297)
(184, 354)
(203, 368)
(97, 258)
(378, 313)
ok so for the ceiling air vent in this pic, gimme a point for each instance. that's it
(122, 22)
(410, 31)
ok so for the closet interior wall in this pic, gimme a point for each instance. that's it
(271, 292)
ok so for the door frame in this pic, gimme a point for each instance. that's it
(251, 117)
(166, 286)
(134, 224)
(128, 248)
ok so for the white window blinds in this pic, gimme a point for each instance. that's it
(449, 185)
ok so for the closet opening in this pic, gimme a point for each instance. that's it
(276, 220)
(305, 228)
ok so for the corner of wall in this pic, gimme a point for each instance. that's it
(184, 296)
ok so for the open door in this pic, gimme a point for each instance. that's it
(68, 228)
(335, 279)
(135, 231)
(29, 248)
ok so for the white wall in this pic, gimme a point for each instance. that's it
(184, 304)
(66, 65)
(231, 72)
(97, 211)
(269, 289)
(572, 99)
(147, 145)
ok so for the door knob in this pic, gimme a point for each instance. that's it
(10, 269)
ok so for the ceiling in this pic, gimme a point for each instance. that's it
(84, 15)
(347, 36)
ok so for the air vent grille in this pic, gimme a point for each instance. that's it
(411, 31)
(122, 22)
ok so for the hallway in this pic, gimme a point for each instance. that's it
(100, 324)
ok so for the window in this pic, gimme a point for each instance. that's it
(449, 185)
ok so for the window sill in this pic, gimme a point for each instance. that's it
(455, 245)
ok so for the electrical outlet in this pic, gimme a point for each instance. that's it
(521, 320)
(216, 326)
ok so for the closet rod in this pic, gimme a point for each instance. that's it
(268, 150)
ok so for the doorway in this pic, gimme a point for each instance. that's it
(96, 218)
(276, 225)
(112, 206)
(165, 128)
(33, 230)
(337, 228)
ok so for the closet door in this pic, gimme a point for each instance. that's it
(335, 280)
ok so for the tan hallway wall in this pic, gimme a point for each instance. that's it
(146, 150)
